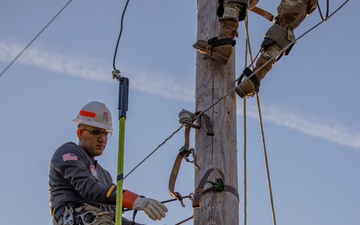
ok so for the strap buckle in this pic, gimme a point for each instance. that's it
(68, 216)
(178, 196)
(186, 153)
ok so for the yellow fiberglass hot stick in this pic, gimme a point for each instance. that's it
(123, 104)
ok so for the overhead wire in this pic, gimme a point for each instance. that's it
(41, 31)
(120, 33)
(142, 161)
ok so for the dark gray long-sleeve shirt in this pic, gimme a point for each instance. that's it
(75, 177)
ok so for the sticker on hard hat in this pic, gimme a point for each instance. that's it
(87, 113)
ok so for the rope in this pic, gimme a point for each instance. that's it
(245, 165)
(266, 159)
(42, 30)
(248, 51)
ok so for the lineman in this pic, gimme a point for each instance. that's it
(81, 191)
(290, 13)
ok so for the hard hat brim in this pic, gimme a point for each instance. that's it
(93, 124)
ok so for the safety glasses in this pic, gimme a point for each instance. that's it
(98, 133)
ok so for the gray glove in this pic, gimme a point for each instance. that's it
(153, 208)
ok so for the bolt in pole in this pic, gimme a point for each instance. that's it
(123, 107)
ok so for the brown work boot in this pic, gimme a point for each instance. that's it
(245, 89)
(220, 48)
(249, 87)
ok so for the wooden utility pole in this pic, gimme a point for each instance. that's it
(213, 81)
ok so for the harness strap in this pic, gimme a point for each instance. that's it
(280, 36)
(214, 42)
(199, 192)
(262, 13)
(183, 152)
(57, 213)
(187, 119)
(248, 72)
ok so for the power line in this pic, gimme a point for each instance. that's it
(120, 33)
(42, 30)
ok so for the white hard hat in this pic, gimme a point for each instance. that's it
(95, 114)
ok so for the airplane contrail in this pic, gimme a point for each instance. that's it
(168, 86)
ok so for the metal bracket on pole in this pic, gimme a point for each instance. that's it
(187, 118)
(218, 186)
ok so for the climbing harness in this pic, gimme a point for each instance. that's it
(90, 217)
(85, 215)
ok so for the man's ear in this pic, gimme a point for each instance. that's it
(79, 133)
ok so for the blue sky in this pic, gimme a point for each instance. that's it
(309, 106)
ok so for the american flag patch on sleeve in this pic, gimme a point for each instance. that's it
(69, 157)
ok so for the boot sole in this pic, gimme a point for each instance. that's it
(212, 55)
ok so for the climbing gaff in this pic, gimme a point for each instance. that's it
(123, 107)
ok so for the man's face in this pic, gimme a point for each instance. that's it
(92, 139)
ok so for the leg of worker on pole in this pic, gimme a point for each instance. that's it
(220, 48)
(290, 13)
